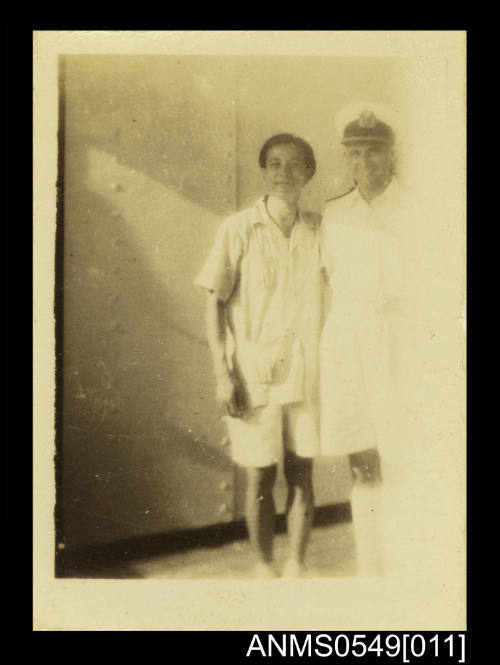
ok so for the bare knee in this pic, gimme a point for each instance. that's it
(260, 481)
(298, 473)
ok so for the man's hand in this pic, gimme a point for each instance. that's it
(231, 396)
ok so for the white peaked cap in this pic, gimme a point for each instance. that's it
(389, 114)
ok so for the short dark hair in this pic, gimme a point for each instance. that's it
(302, 145)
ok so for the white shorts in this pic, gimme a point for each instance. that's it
(260, 438)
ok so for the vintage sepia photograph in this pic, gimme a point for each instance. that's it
(250, 324)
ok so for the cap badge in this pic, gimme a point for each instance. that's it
(367, 119)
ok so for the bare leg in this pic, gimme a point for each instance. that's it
(260, 511)
(299, 505)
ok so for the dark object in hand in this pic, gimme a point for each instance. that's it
(237, 405)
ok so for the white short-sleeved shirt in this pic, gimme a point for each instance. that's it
(271, 287)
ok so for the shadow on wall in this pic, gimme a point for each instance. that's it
(141, 436)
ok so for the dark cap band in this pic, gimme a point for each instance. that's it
(368, 129)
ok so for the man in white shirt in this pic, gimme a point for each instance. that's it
(263, 318)
(362, 260)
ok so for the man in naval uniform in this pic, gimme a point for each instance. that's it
(361, 258)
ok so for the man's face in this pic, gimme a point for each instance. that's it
(286, 171)
(370, 164)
